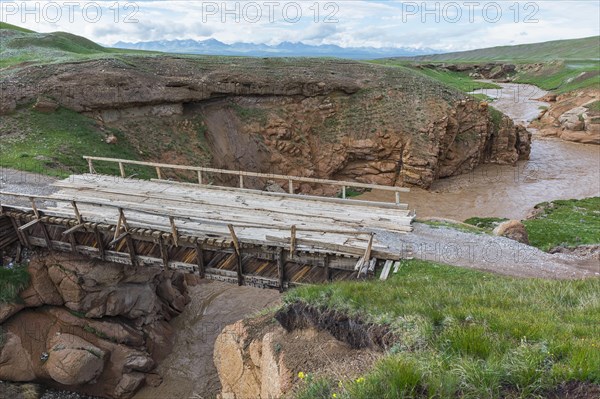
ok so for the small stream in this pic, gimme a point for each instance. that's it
(557, 169)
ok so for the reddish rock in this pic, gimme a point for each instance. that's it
(73, 360)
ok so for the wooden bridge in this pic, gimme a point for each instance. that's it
(231, 234)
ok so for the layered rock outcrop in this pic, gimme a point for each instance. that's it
(573, 117)
(89, 326)
(318, 118)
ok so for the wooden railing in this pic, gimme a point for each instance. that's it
(241, 174)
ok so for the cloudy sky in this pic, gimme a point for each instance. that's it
(439, 25)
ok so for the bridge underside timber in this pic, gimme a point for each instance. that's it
(235, 235)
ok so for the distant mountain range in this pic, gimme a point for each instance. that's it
(285, 49)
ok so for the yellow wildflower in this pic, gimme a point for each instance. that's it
(301, 375)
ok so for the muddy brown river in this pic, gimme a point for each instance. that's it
(556, 170)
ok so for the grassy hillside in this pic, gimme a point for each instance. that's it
(468, 334)
(53, 143)
(561, 77)
(4, 25)
(458, 80)
(576, 49)
(20, 45)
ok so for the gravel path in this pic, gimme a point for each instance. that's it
(15, 181)
(489, 253)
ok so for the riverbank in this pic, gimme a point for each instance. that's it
(556, 169)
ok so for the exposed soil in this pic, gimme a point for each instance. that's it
(189, 370)
(353, 331)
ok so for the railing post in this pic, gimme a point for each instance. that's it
(200, 177)
(158, 173)
(397, 197)
(90, 165)
(122, 169)
(241, 181)
(291, 186)
(344, 192)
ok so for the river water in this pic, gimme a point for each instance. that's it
(556, 170)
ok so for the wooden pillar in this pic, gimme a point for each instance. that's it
(158, 173)
(293, 242)
(240, 269)
(174, 232)
(122, 169)
(22, 237)
(397, 198)
(280, 268)
(100, 243)
(291, 186)
(46, 235)
(238, 251)
(131, 249)
(326, 270)
(164, 252)
(200, 260)
(90, 166)
(73, 242)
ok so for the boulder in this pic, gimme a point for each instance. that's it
(73, 360)
(513, 229)
(129, 384)
(111, 139)
(15, 361)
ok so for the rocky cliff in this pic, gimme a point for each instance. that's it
(573, 116)
(311, 117)
(89, 326)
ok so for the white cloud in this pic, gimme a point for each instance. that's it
(359, 23)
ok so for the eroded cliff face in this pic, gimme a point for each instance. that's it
(572, 116)
(89, 326)
(311, 117)
(264, 356)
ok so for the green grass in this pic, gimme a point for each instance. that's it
(487, 224)
(12, 282)
(249, 115)
(54, 143)
(458, 80)
(468, 334)
(575, 49)
(566, 223)
(594, 107)
(315, 388)
(4, 25)
(560, 77)
(457, 226)
(25, 46)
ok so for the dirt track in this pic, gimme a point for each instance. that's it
(189, 371)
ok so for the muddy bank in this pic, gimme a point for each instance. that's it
(189, 371)
(556, 170)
